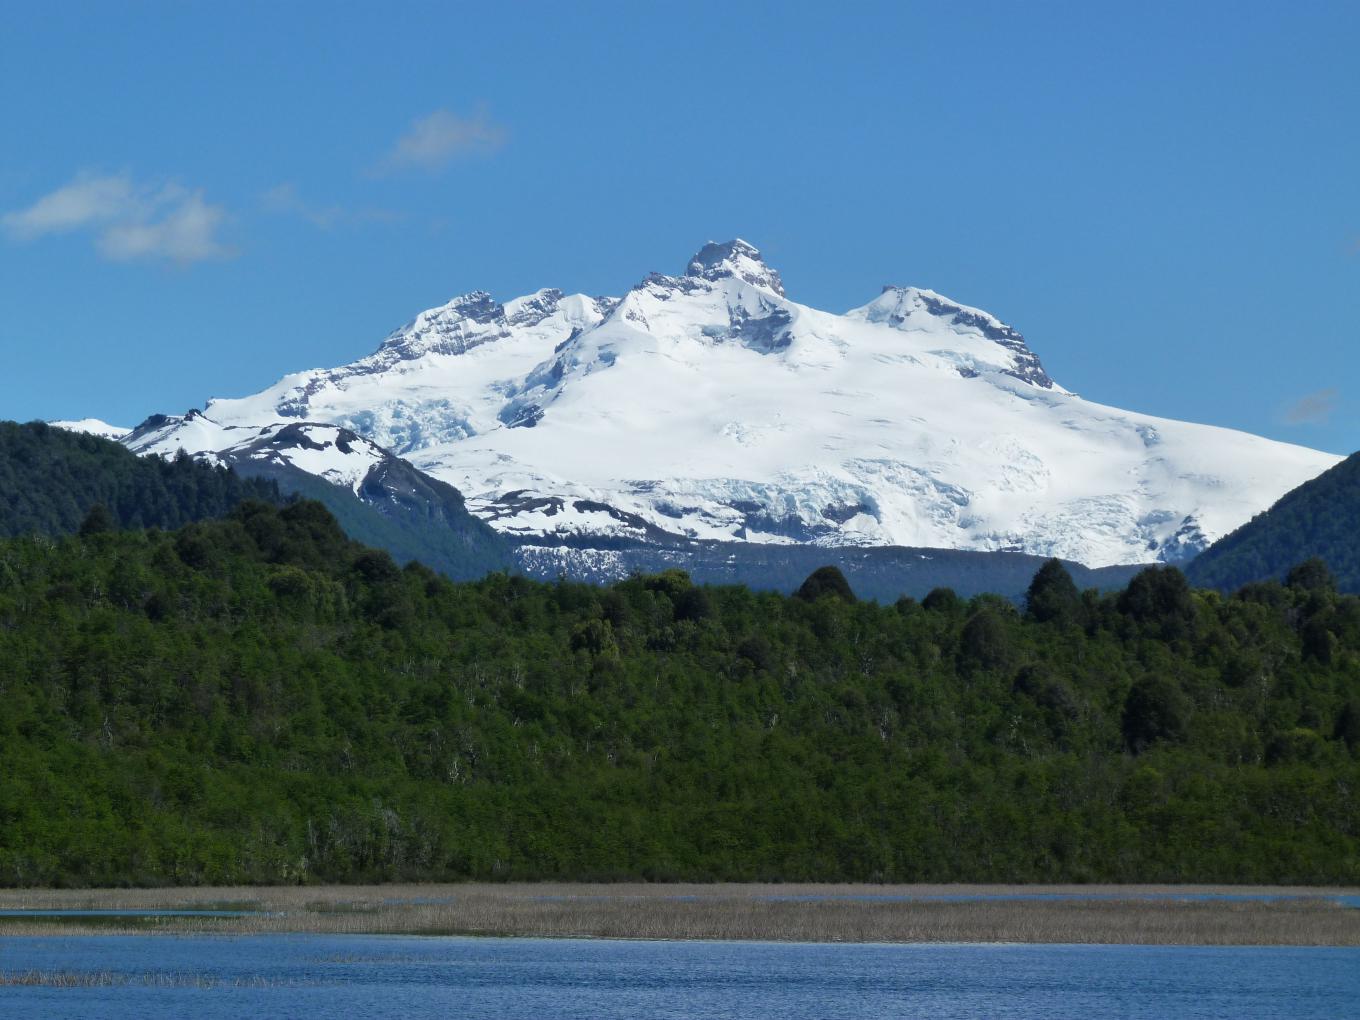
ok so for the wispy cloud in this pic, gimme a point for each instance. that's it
(84, 202)
(186, 232)
(1312, 408)
(128, 221)
(436, 140)
(284, 199)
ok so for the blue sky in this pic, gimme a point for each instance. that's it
(196, 199)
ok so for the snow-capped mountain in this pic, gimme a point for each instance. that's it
(711, 406)
(92, 426)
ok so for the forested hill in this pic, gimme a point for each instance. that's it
(258, 699)
(1320, 518)
(51, 478)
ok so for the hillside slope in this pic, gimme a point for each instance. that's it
(50, 478)
(379, 499)
(1321, 518)
(884, 573)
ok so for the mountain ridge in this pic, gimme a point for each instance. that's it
(709, 406)
(412, 515)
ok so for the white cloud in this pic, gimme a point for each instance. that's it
(1312, 408)
(186, 233)
(128, 221)
(83, 202)
(433, 142)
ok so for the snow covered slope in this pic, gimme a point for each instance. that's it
(711, 406)
(327, 451)
(441, 378)
(93, 426)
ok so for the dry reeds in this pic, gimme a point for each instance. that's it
(801, 913)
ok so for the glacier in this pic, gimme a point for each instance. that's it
(711, 406)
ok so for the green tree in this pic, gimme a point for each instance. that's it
(1052, 595)
(97, 522)
(1160, 596)
(1311, 575)
(984, 642)
(1154, 710)
(1347, 727)
(825, 581)
(941, 600)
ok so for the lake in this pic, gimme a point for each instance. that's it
(145, 977)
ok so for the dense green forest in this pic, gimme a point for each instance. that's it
(1321, 518)
(258, 699)
(50, 478)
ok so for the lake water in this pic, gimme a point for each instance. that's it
(307, 976)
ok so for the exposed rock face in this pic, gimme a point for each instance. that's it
(902, 307)
(736, 259)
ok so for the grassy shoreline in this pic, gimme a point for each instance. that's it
(1131, 915)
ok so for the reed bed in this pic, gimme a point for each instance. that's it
(795, 913)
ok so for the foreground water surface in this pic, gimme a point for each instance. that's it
(145, 977)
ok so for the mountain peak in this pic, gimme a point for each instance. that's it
(907, 307)
(477, 305)
(734, 258)
(532, 308)
(452, 328)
